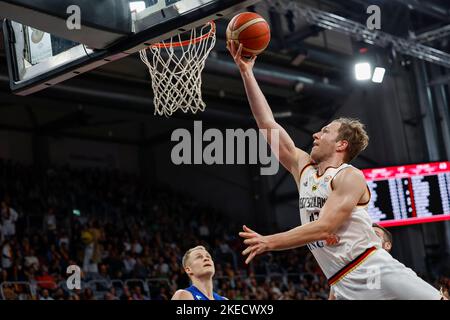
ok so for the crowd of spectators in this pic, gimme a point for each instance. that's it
(128, 239)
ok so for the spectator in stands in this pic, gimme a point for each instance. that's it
(45, 295)
(50, 224)
(63, 239)
(126, 295)
(137, 294)
(136, 247)
(275, 291)
(88, 294)
(30, 260)
(9, 218)
(9, 292)
(129, 262)
(64, 255)
(111, 294)
(74, 296)
(7, 255)
(59, 294)
(44, 279)
(116, 265)
(203, 230)
(90, 257)
(140, 271)
(103, 274)
(2, 238)
(162, 294)
(162, 268)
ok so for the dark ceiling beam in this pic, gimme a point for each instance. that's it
(319, 58)
(445, 79)
(277, 29)
(352, 8)
(428, 7)
(282, 77)
(297, 37)
(327, 57)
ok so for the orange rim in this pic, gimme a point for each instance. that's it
(186, 43)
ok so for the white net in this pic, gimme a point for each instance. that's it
(175, 68)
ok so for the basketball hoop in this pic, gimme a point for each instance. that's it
(175, 68)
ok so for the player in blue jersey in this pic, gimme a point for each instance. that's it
(199, 267)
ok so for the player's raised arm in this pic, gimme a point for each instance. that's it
(291, 157)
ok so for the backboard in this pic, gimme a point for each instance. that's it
(43, 48)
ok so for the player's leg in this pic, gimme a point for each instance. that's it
(381, 277)
(402, 283)
(406, 285)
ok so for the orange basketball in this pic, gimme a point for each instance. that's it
(251, 30)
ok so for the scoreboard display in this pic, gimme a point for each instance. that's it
(409, 194)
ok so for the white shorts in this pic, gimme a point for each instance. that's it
(381, 277)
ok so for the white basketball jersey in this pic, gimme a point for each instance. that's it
(356, 234)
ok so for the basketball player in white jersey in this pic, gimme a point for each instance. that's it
(386, 243)
(333, 204)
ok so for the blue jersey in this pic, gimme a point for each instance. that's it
(198, 295)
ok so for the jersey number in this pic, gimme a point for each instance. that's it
(313, 216)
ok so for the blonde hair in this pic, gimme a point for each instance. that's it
(354, 132)
(188, 253)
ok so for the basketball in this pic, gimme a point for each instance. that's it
(251, 30)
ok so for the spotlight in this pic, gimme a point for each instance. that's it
(137, 6)
(378, 75)
(363, 71)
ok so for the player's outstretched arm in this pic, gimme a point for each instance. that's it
(349, 187)
(291, 157)
(182, 295)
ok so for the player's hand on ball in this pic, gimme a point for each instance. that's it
(256, 243)
(243, 63)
